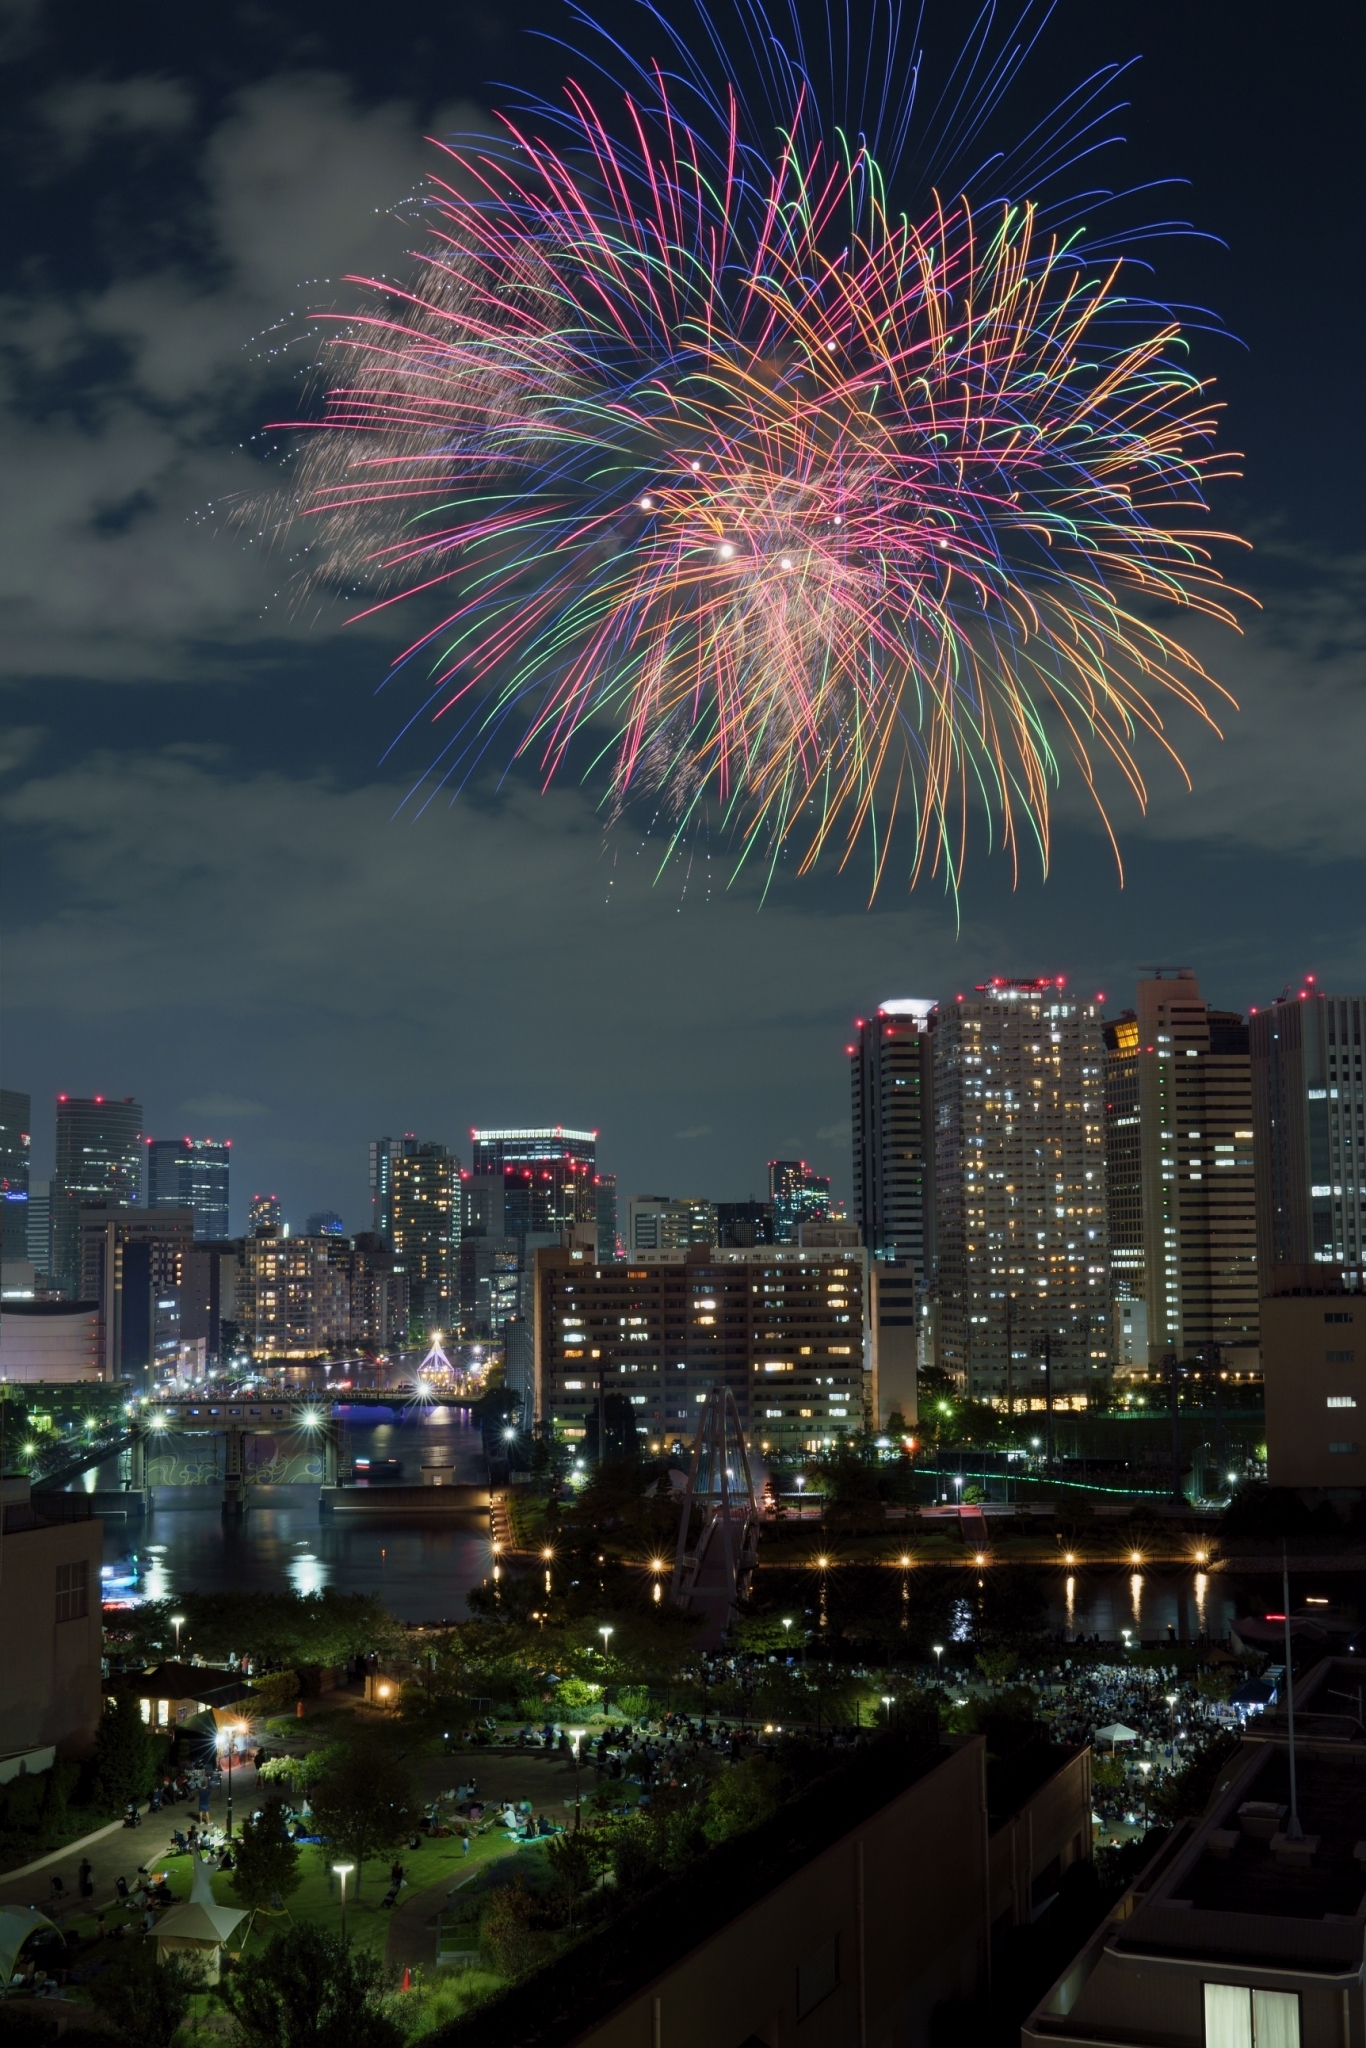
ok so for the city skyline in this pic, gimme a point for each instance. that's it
(216, 899)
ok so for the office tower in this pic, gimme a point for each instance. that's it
(294, 1298)
(324, 1223)
(16, 1125)
(263, 1213)
(783, 1329)
(1022, 1277)
(1124, 1197)
(383, 1153)
(666, 1223)
(132, 1266)
(191, 1173)
(547, 1177)
(891, 1066)
(1309, 1117)
(1181, 1190)
(40, 1226)
(740, 1225)
(798, 1196)
(605, 1215)
(98, 1164)
(424, 1223)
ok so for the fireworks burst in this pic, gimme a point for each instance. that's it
(783, 502)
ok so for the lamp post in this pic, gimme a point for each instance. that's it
(1171, 1698)
(887, 1703)
(233, 1730)
(177, 1623)
(605, 1632)
(938, 1649)
(577, 1735)
(343, 1871)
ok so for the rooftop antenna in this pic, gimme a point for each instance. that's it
(1294, 1832)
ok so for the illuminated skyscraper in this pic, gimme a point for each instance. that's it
(383, 1153)
(98, 1165)
(16, 1124)
(425, 1227)
(263, 1213)
(605, 1185)
(1022, 1278)
(1181, 1188)
(892, 1072)
(191, 1173)
(1309, 1115)
(798, 1196)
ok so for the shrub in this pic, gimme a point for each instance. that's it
(634, 1701)
(576, 1696)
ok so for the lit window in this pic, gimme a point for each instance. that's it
(1239, 2017)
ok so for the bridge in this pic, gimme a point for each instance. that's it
(713, 1572)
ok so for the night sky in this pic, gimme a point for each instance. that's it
(212, 899)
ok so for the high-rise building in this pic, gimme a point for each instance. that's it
(379, 1294)
(798, 1196)
(16, 1124)
(1182, 1214)
(210, 1275)
(191, 1173)
(783, 1329)
(605, 1216)
(383, 1153)
(892, 1074)
(740, 1225)
(132, 1265)
(98, 1164)
(425, 1220)
(263, 1213)
(40, 1226)
(1309, 1116)
(668, 1223)
(1022, 1276)
(324, 1223)
(526, 1188)
(294, 1298)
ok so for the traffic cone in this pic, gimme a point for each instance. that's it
(407, 1983)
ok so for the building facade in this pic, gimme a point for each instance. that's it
(16, 1126)
(798, 1195)
(892, 1075)
(1313, 1359)
(383, 1153)
(668, 1223)
(1022, 1275)
(785, 1330)
(98, 1162)
(294, 1300)
(425, 1220)
(51, 1695)
(263, 1213)
(1309, 1120)
(40, 1227)
(191, 1173)
(605, 1215)
(132, 1266)
(1181, 1191)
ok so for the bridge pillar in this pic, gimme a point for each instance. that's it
(331, 1446)
(235, 1471)
(137, 1459)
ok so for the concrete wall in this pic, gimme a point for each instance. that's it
(49, 1342)
(1033, 1848)
(50, 1670)
(1304, 1339)
(892, 1918)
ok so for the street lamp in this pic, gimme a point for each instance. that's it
(177, 1623)
(887, 1703)
(938, 1649)
(343, 1871)
(605, 1631)
(234, 1729)
(657, 1566)
(1147, 1817)
(577, 1735)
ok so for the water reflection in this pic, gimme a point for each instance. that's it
(1152, 1605)
(1136, 1600)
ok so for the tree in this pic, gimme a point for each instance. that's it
(310, 1989)
(507, 1937)
(121, 1767)
(366, 1806)
(145, 2001)
(267, 1862)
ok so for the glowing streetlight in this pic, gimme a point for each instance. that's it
(605, 1631)
(576, 1736)
(938, 1649)
(887, 1703)
(343, 1871)
(227, 1737)
(177, 1623)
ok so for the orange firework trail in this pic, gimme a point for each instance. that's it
(781, 502)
